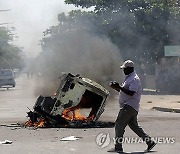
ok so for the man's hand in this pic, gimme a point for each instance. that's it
(115, 85)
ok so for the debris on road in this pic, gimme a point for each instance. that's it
(64, 109)
(70, 138)
(13, 126)
(6, 142)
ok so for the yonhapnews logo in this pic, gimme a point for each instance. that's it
(103, 140)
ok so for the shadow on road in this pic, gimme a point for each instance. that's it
(138, 152)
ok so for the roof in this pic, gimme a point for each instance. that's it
(95, 84)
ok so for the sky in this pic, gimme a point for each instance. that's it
(30, 18)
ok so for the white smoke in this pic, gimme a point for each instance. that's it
(81, 53)
(30, 18)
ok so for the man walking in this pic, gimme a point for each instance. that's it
(129, 100)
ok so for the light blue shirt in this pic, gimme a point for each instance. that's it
(133, 83)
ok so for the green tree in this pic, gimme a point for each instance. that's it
(10, 55)
(140, 28)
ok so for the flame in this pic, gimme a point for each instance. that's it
(40, 123)
(29, 123)
(78, 116)
(73, 115)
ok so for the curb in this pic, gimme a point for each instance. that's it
(166, 109)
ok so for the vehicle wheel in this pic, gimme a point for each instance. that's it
(14, 85)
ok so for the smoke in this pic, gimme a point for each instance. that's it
(80, 52)
(83, 52)
(30, 18)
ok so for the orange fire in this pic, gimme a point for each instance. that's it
(73, 115)
(40, 123)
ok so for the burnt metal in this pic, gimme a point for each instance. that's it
(69, 104)
(45, 103)
(58, 103)
(51, 119)
(81, 124)
(33, 116)
(74, 92)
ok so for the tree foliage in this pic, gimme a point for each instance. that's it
(10, 55)
(140, 28)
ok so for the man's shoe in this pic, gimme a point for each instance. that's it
(115, 150)
(150, 146)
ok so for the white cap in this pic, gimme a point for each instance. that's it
(127, 63)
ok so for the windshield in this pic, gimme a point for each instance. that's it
(5, 73)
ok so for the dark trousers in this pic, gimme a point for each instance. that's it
(128, 116)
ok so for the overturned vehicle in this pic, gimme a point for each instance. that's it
(77, 102)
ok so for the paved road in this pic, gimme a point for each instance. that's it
(13, 103)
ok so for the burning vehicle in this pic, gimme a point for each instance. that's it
(65, 107)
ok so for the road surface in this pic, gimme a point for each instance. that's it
(162, 126)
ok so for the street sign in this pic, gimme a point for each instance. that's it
(172, 51)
